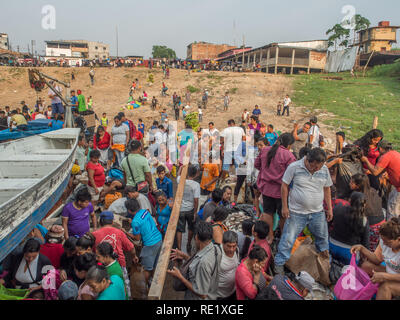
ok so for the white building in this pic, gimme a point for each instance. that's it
(4, 43)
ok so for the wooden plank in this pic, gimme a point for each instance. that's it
(157, 285)
(375, 123)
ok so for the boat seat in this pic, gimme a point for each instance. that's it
(53, 151)
(32, 158)
(17, 184)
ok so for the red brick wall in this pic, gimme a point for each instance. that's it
(203, 51)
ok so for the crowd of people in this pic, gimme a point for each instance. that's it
(121, 195)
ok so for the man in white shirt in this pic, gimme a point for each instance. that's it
(314, 133)
(231, 140)
(286, 102)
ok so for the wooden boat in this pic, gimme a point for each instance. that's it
(34, 172)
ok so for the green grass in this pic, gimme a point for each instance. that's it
(193, 89)
(354, 101)
(233, 90)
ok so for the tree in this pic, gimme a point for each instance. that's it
(338, 36)
(361, 23)
(160, 52)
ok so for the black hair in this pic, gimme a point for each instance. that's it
(160, 193)
(226, 188)
(220, 213)
(121, 114)
(362, 181)
(391, 229)
(263, 140)
(132, 205)
(106, 250)
(70, 243)
(285, 140)
(313, 120)
(271, 126)
(258, 253)
(129, 189)
(118, 117)
(204, 231)
(308, 123)
(342, 134)
(212, 123)
(358, 203)
(365, 141)
(230, 237)
(14, 112)
(304, 152)
(94, 154)
(217, 195)
(31, 245)
(84, 262)
(316, 155)
(134, 145)
(192, 171)
(160, 169)
(255, 118)
(262, 229)
(231, 121)
(81, 137)
(60, 117)
(247, 227)
(83, 195)
(99, 128)
(86, 241)
(2, 112)
(97, 273)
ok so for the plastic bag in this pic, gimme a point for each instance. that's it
(13, 294)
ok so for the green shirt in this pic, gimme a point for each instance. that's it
(81, 103)
(115, 269)
(139, 166)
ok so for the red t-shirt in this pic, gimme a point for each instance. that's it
(391, 162)
(99, 176)
(103, 143)
(117, 239)
(53, 251)
(372, 156)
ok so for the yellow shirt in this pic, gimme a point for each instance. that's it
(19, 119)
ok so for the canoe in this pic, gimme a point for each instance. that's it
(34, 127)
(34, 173)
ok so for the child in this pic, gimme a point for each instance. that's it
(90, 102)
(145, 97)
(164, 209)
(163, 183)
(80, 156)
(279, 109)
(141, 126)
(257, 111)
(104, 121)
(164, 115)
(200, 114)
(184, 112)
(49, 113)
(210, 176)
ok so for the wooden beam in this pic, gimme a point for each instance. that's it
(375, 123)
(157, 285)
(268, 57)
(365, 68)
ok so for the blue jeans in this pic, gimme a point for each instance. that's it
(57, 108)
(317, 225)
(340, 253)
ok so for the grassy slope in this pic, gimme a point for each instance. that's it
(354, 102)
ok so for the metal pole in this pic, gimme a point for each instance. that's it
(243, 55)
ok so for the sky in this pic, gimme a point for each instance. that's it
(177, 23)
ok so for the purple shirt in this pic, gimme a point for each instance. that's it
(269, 179)
(78, 220)
(258, 127)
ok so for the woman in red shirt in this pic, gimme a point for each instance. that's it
(97, 178)
(250, 278)
(101, 142)
(369, 145)
(53, 248)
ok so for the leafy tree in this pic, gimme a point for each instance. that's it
(160, 52)
(338, 36)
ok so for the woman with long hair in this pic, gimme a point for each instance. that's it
(350, 227)
(272, 163)
(101, 142)
(369, 146)
(373, 210)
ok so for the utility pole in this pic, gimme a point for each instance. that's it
(243, 55)
(116, 28)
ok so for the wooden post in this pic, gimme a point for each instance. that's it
(157, 285)
(276, 59)
(268, 57)
(293, 55)
(309, 57)
(375, 123)
(365, 68)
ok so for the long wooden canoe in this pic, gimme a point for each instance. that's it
(34, 172)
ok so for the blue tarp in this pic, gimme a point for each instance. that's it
(34, 127)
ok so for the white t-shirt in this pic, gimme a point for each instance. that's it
(226, 275)
(314, 131)
(158, 137)
(233, 137)
(118, 206)
(392, 259)
(200, 111)
(245, 115)
(119, 134)
(191, 192)
(40, 116)
(56, 99)
(286, 102)
(24, 276)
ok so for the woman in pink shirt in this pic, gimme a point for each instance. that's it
(250, 278)
(272, 163)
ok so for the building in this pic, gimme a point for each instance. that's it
(4, 43)
(206, 51)
(75, 51)
(284, 57)
(376, 44)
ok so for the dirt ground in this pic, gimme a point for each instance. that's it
(111, 92)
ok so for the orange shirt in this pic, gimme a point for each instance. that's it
(210, 172)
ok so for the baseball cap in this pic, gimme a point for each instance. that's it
(68, 291)
(306, 280)
(107, 215)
